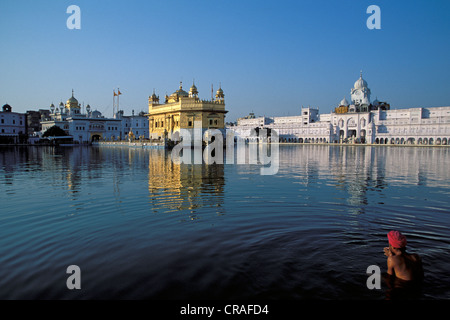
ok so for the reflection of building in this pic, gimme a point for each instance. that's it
(13, 126)
(92, 126)
(360, 121)
(181, 109)
(184, 186)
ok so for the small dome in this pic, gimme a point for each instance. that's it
(344, 102)
(360, 83)
(72, 100)
(219, 93)
(193, 89)
(180, 92)
(7, 108)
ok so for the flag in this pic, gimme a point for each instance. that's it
(114, 93)
(118, 92)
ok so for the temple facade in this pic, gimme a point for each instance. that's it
(181, 110)
(90, 125)
(358, 121)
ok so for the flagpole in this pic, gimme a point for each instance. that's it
(114, 100)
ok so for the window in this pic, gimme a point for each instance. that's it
(190, 124)
(3, 120)
(210, 122)
(3, 130)
(14, 121)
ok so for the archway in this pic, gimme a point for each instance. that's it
(438, 141)
(377, 141)
(351, 133)
(444, 141)
(96, 137)
(431, 141)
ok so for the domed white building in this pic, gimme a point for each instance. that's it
(92, 125)
(359, 121)
(360, 94)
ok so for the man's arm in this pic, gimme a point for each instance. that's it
(390, 266)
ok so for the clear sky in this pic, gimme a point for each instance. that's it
(270, 57)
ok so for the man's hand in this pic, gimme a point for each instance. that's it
(387, 252)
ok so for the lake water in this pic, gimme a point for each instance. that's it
(141, 227)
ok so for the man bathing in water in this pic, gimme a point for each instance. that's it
(402, 265)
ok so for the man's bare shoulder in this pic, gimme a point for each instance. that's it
(395, 259)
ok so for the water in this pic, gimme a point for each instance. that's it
(142, 227)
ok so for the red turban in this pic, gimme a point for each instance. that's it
(396, 239)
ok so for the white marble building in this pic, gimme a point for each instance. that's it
(13, 125)
(92, 125)
(360, 121)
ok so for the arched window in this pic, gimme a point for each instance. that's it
(363, 122)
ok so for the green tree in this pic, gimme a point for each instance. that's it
(54, 131)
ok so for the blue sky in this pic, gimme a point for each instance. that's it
(271, 57)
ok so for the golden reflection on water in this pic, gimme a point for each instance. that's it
(184, 186)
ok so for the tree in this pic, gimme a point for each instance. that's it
(54, 131)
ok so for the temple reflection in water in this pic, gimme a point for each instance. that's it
(87, 173)
(358, 170)
(184, 186)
